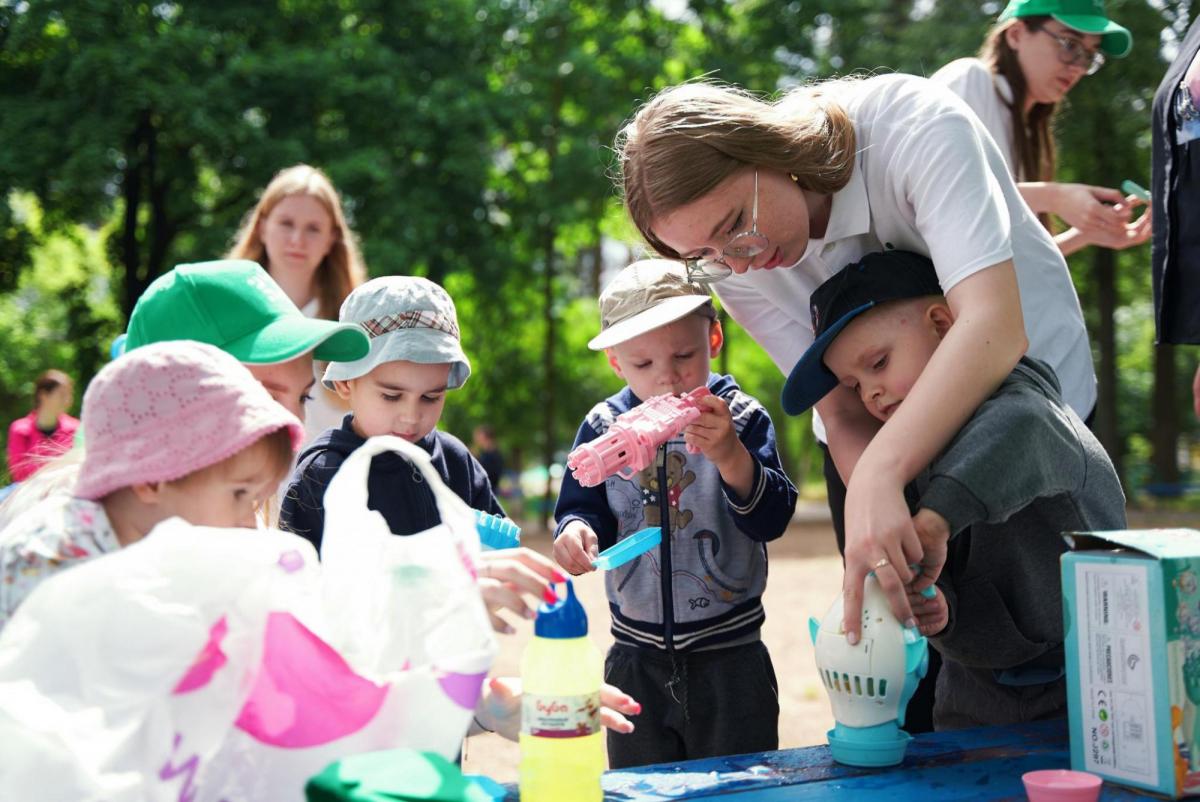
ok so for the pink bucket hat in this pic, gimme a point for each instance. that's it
(168, 409)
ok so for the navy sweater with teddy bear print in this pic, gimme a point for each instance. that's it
(702, 588)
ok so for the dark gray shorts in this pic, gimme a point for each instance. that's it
(711, 703)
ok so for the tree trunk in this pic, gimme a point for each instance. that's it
(597, 252)
(1164, 433)
(160, 234)
(131, 194)
(549, 235)
(1104, 267)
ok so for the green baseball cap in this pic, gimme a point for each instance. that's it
(1085, 16)
(235, 305)
(398, 775)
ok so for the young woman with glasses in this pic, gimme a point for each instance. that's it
(1033, 56)
(768, 199)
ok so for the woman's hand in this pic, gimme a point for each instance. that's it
(1088, 209)
(499, 710)
(506, 575)
(1129, 235)
(880, 538)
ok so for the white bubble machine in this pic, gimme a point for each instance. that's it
(870, 683)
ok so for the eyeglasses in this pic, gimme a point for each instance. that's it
(745, 245)
(1071, 51)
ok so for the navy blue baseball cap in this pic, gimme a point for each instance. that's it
(875, 279)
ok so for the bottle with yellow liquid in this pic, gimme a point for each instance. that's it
(562, 747)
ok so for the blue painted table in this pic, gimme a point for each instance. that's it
(981, 764)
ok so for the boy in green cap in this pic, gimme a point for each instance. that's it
(236, 306)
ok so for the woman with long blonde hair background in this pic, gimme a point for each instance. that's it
(298, 232)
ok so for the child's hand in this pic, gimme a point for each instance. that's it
(508, 574)
(934, 533)
(716, 438)
(500, 708)
(933, 615)
(713, 431)
(575, 548)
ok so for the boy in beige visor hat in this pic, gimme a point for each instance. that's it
(686, 615)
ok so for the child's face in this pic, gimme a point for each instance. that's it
(297, 234)
(883, 351)
(401, 398)
(58, 400)
(226, 495)
(670, 359)
(289, 383)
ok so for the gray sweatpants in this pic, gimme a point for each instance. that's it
(971, 697)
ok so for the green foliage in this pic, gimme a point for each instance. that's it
(471, 140)
(60, 315)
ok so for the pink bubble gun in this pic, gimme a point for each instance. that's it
(630, 443)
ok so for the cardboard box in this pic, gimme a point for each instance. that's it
(1131, 604)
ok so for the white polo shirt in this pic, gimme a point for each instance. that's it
(989, 96)
(928, 178)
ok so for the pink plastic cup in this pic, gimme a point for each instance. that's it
(1061, 785)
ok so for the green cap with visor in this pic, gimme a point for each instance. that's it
(1085, 16)
(235, 305)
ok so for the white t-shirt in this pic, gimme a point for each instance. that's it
(989, 96)
(321, 413)
(928, 178)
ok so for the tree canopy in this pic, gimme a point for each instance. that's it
(472, 143)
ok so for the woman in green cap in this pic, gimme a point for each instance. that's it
(1032, 57)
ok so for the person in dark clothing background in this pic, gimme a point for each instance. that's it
(488, 453)
(1175, 192)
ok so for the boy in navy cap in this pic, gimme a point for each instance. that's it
(1023, 469)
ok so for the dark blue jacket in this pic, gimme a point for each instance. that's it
(702, 587)
(394, 486)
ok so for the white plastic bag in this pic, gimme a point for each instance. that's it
(90, 664)
(403, 611)
(202, 665)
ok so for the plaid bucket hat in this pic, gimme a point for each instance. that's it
(406, 317)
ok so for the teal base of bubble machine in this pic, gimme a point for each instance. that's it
(869, 747)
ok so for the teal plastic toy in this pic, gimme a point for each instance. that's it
(496, 531)
(1130, 188)
(635, 545)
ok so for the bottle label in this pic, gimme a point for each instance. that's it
(560, 716)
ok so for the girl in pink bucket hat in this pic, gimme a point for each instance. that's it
(174, 429)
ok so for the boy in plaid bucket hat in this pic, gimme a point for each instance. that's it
(398, 388)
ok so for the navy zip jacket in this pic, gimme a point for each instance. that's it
(702, 588)
(395, 487)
